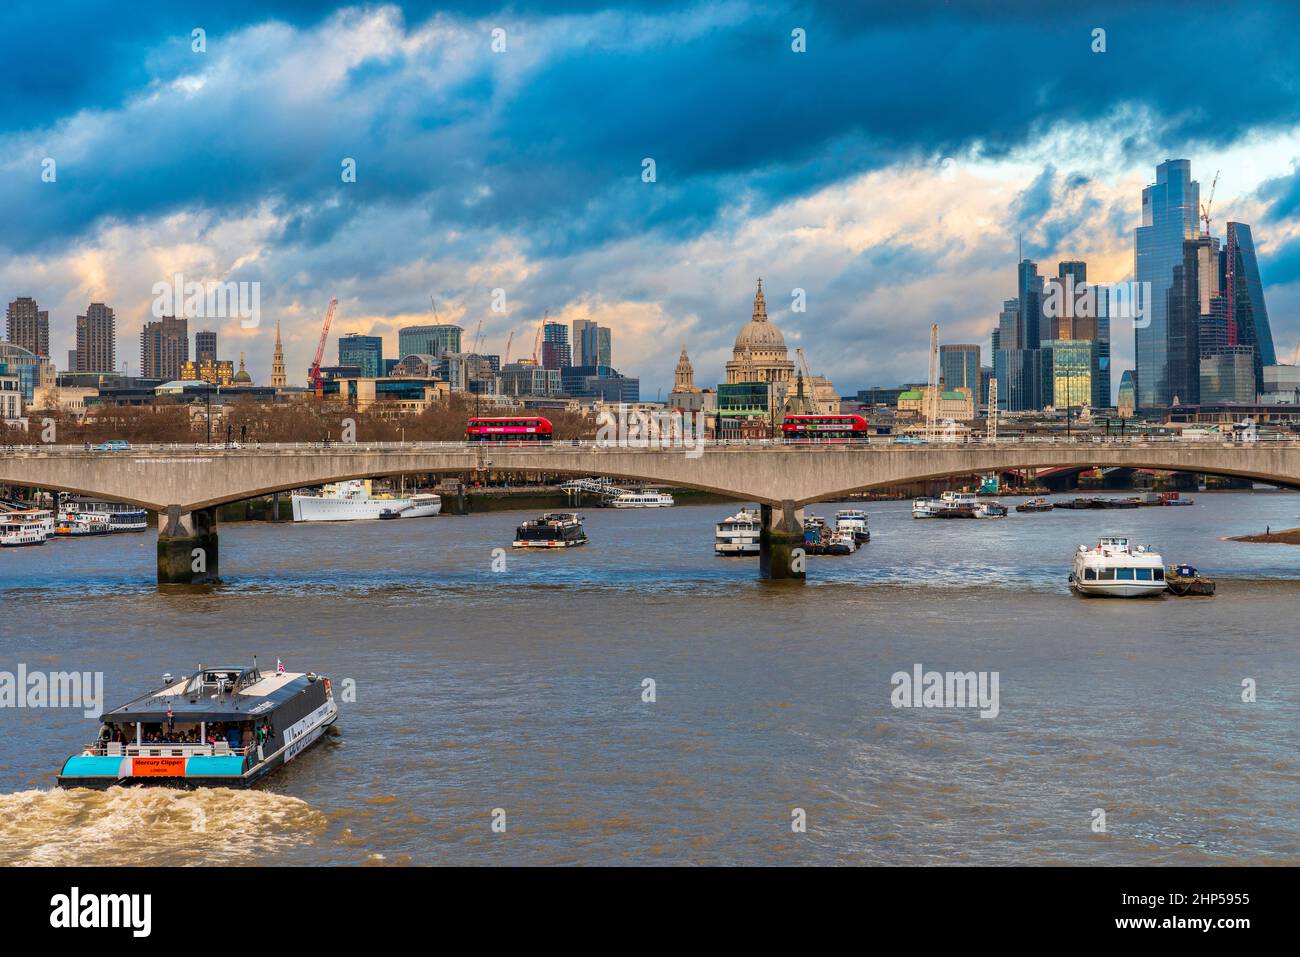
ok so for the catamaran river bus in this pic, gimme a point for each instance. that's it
(220, 727)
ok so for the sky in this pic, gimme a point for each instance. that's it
(890, 169)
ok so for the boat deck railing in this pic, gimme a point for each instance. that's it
(166, 749)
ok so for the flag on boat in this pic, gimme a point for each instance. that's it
(279, 666)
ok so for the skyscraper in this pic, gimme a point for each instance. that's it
(592, 343)
(164, 348)
(97, 339)
(1247, 316)
(28, 326)
(205, 346)
(1169, 210)
(430, 340)
(364, 352)
(959, 365)
(556, 352)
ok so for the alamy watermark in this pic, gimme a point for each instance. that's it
(55, 689)
(209, 300)
(1092, 300)
(657, 429)
(946, 689)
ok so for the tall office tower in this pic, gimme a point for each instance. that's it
(164, 348)
(1127, 397)
(1033, 322)
(205, 346)
(28, 327)
(364, 352)
(1169, 210)
(1101, 398)
(1247, 314)
(430, 340)
(278, 379)
(556, 352)
(579, 341)
(959, 367)
(97, 339)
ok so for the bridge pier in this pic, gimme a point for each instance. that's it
(781, 555)
(187, 547)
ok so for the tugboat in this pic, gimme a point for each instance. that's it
(1035, 505)
(1183, 580)
(990, 510)
(220, 727)
(552, 530)
(1117, 569)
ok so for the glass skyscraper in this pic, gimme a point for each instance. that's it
(960, 366)
(364, 352)
(1169, 210)
(1247, 316)
(431, 340)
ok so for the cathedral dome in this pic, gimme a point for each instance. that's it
(759, 335)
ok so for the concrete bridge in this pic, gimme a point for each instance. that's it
(185, 483)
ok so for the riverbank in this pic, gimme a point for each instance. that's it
(1287, 536)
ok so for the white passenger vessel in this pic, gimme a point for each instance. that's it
(1119, 569)
(738, 534)
(121, 516)
(352, 501)
(947, 505)
(642, 500)
(854, 521)
(21, 525)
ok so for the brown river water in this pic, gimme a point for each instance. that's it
(521, 690)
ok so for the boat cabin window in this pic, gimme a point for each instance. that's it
(1106, 574)
(1090, 574)
(1144, 574)
(1124, 574)
(1160, 574)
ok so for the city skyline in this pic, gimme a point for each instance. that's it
(884, 234)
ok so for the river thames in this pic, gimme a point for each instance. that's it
(521, 689)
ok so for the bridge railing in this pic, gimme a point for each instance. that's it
(663, 445)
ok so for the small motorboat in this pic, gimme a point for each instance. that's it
(1035, 505)
(990, 510)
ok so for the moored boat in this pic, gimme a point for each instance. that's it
(352, 501)
(853, 520)
(121, 516)
(78, 524)
(219, 727)
(552, 530)
(1185, 580)
(22, 525)
(738, 534)
(647, 499)
(1116, 568)
(1035, 505)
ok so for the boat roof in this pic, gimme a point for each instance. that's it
(214, 694)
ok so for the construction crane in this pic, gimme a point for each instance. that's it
(537, 342)
(313, 376)
(478, 337)
(804, 403)
(993, 409)
(505, 359)
(1206, 206)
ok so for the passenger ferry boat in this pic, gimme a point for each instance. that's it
(739, 534)
(947, 505)
(642, 500)
(853, 520)
(351, 501)
(73, 523)
(552, 530)
(1117, 568)
(121, 516)
(22, 525)
(219, 727)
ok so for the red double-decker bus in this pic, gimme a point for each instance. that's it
(824, 427)
(508, 428)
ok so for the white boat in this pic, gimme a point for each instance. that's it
(1116, 568)
(853, 520)
(643, 500)
(986, 509)
(738, 534)
(25, 526)
(925, 508)
(74, 523)
(121, 517)
(946, 505)
(351, 501)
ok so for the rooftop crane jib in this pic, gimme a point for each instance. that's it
(314, 378)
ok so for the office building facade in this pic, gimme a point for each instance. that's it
(164, 348)
(28, 326)
(433, 339)
(364, 352)
(97, 339)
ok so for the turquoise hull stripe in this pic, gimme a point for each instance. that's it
(83, 766)
(214, 767)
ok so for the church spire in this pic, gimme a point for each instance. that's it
(760, 305)
(278, 379)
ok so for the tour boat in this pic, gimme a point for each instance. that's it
(738, 534)
(552, 530)
(642, 500)
(74, 523)
(1116, 568)
(947, 505)
(990, 510)
(121, 517)
(351, 501)
(925, 508)
(20, 526)
(219, 727)
(853, 520)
